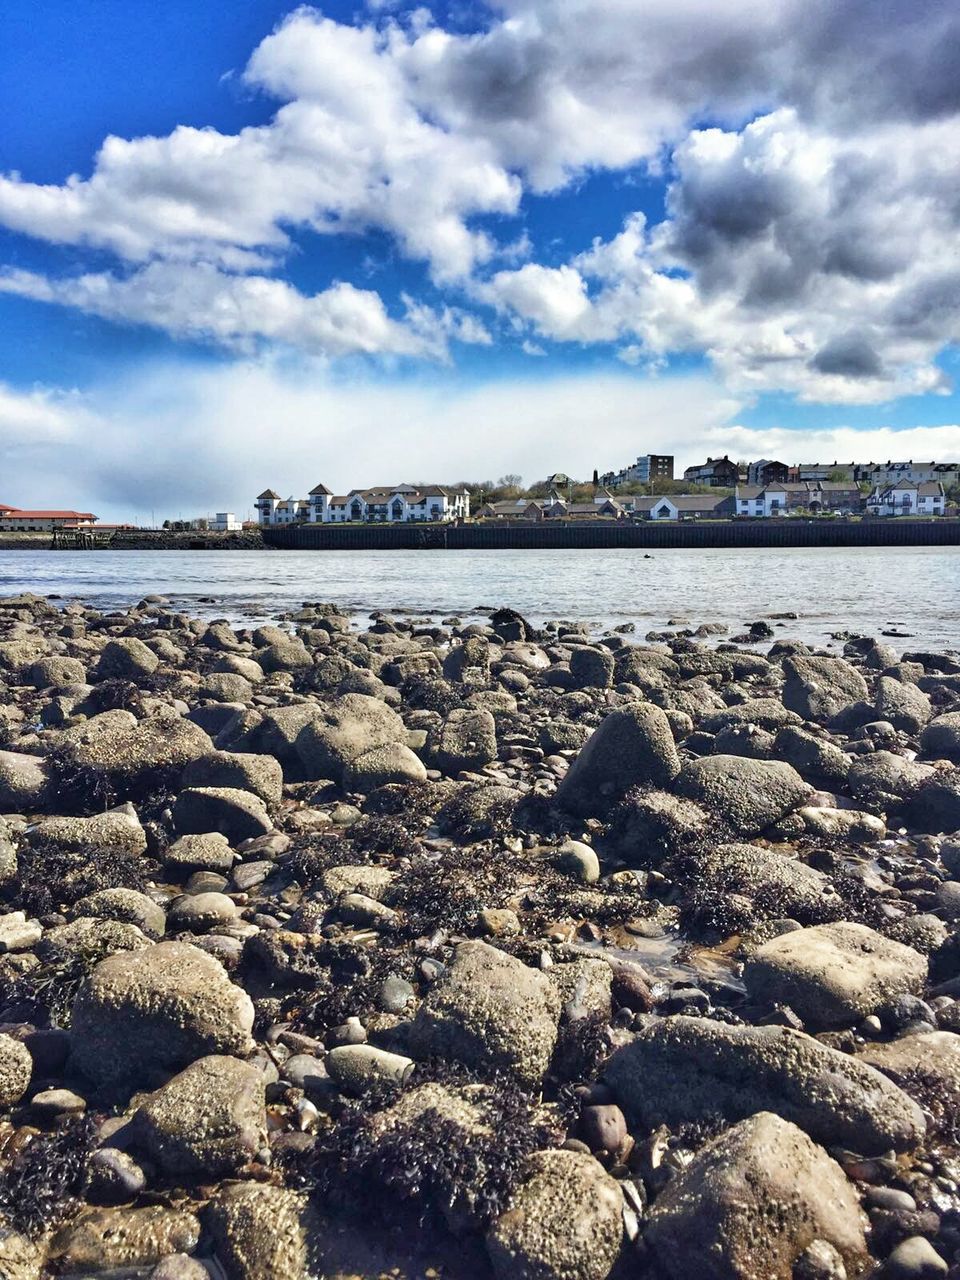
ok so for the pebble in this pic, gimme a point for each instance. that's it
(914, 1259)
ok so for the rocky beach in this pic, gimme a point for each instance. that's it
(474, 950)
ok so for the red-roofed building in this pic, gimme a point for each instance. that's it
(20, 520)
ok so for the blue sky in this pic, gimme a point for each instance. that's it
(349, 242)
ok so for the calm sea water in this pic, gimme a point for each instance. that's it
(911, 589)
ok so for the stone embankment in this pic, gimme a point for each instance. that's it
(474, 951)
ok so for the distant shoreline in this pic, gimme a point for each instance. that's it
(645, 535)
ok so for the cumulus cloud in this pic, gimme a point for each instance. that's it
(811, 235)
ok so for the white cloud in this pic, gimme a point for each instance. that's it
(120, 449)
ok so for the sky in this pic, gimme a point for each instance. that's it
(256, 245)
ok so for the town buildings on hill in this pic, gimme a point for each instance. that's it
(715, 473)
(21, 520)
(391, 504)
(647, 468)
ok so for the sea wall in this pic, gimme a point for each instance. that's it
(647, 535)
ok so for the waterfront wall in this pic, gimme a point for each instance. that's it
(647, 535)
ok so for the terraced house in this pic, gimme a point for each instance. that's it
(388, 504)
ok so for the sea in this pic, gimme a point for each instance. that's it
(911, 594)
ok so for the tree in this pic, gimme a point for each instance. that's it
(510, 484)
(596, 477)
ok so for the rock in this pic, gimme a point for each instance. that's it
(633, 746)
(370, 880)
(20, 1258)
(765, 713)
(478, 812)
(591, 668)
(927, 1067)
(776, 886)
(881, 778)
(179, 1266)
(748, 795)
(579, 860)
(914, 1259)
(201, 912)
(583, 986)
(158, 1009)
(24, 782)
(936, 805)
(207, 1121)
(288, 654)
(227, 686)
(126, 905)
(820, 688)
(111, 1239)
(126, 659)
(904, 705)
(751, 1202)
(842, 824)
(564, 1222)
(813, 758)
(684, 1070)
(118, 829)
(355, 1068)
(467, 739)
(393, 762)
(940, 739)
(17, 933)
(649, 826)
(344, 729)
(208, 852)
(88, 940)
(257, 1232)
(8, 861)
(832, 975)
(240, 771)
(115, 1177)
(238, 815)
(16, 1068)
(489, 1010)
(121, 754)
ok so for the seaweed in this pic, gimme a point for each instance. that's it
(43, 1184)
(50, 878)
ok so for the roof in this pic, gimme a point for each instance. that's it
(17, 513)
(268, 493)
(319, 488)
(746, 492)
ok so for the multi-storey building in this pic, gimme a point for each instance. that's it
(390, 504)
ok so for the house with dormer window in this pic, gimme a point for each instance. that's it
(388, 504)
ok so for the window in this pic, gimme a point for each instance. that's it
(398, 510)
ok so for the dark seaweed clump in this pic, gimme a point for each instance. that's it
(45, 1181)
(50, 878)
(44, 996)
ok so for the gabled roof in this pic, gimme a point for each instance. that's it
(17, 513)
(268, 493)
(747, 492)
(319, 488)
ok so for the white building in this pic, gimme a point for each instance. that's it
(226, 522)
(392, 504)
(839, 496)
(906, 498)
(891, 473)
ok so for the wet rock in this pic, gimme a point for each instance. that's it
(257, 1232)
(241, 771)
(477, 812)
(489, 1010)
(833, 975)
(584, 987)
(927, 1067)
(820, 688)
(342, 730)
(355, 1068)
(633, 746)
(813, 758)
(841, 824)
(685, 1070)
(914, 1259)
(115, 1177)
(751, 1202)
(201, 912)
(467, 740)
(16, 1068)
(179, 1266)
(776, 886)
(579, 860)
(108, 1239)
(210, 851)
(89, 939)
(24, 782)
(393, 762)
(122, 754)
(126, 659)
(591, 668)
(904, 705)
(565, 1222)
(125, 905)
(20, 1258)
(207, 1121)
(748, 795)
(154, 1010)
(238, 815)
(648, 826)
(936, 805)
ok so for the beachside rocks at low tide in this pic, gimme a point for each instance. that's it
(474, 951)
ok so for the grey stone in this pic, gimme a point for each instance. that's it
(832, 975)
(201, 912)
(342, 730)
(157, 1009)
(210, 851)
(749, 1205)
(935, 806)
(765, 713)
(467, 739)
(633, 746)
(777, 886)
(258, 1232)
(355, 1068)
(393, 762)
(748, 795)
(126, 659)
(242, 771)
(238, 815)
(489, 1010)
(127, 905)
(24, 782)
(820, 688)
(881, 779)
(125, 1238)
(684, 1070)
(207, 1121)
(591, 668)
(16, 1068)
(941, 738)
(812, 757)
(118, 829)
(904, 705)
(564, 1221)
(927, 1067)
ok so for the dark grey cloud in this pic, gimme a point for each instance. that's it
(851, 355)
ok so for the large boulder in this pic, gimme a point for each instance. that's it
(881, 780)
(467, 739)
(121, 754)
(564, 1222)
(241, 771)
(777, 887)
(207, 1121)
(903, 705)
(941, 737)
(833, 975)
(24, 782)
(633, 746)
(238, 815)
(927, 1067)
(393, 762)
(16, 1068)
(344, 729)
(118, 830)
(157, 1010)
(935, 806)
(751, 1202)
(56, 673)
(489, 1010)
(765, 713)
(815, 759)
(683, 1070)
(126, 659)
(747, 795)
(820, 688)
(258, 1232)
